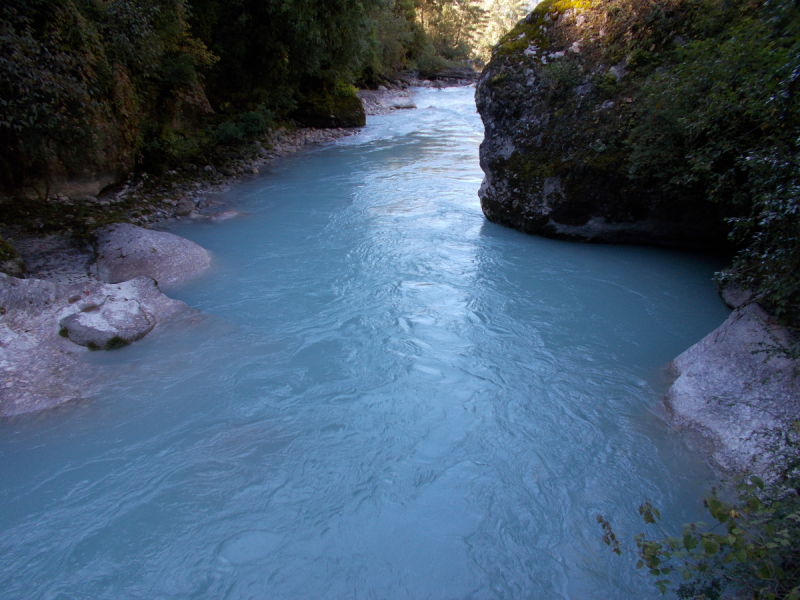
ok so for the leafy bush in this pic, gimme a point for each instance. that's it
(429, 61)
(247, 126)
(7, 251)
(561, 76)
(770, 261)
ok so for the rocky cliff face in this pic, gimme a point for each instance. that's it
(559, 102)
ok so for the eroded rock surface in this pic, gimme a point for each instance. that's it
(126, 251)
(728, 389)
(113, 316)
(39, 368)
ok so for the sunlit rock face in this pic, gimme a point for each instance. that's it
(728, 390)
(559, 100)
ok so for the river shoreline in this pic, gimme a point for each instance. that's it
(40, 369)
(190, 191)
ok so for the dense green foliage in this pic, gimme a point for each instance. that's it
(721, 116)
(269, 49)
(432, 35)
(85, 80)
(89, 86)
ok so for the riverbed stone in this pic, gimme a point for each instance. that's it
(735, 297)
(25, 294)
(112, 324)
(379, 102)
(731, 388)
(126, 251)
(226, 215)
(39, 368)
(184, 207)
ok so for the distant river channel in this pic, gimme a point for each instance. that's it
(388, 397)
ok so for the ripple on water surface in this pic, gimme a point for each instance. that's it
(389, 398)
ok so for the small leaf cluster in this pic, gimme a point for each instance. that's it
(753, 545)
(246, 126)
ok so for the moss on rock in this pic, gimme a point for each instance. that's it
(340, 107)
(561, 100)
(10, 261)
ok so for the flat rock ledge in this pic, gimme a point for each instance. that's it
(46, 327)
(743, 399)
(125, 251)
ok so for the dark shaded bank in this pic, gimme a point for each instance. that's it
(94, 90)
(669, 123)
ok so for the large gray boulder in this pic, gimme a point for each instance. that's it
(126, 251)
(111, 316)
(558, 119)
(381, 102)
(742, 398)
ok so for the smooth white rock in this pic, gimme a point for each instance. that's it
(727, 389)
(126, 251)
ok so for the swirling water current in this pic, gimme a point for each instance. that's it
(389, 397)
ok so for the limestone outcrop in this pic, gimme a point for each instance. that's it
(45, 328)
(558, 115)
(733, 389)
(126, 251)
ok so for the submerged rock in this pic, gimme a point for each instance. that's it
(184, 207)
(558, 116)
(125, 251)
(743, 398)
(225, 215)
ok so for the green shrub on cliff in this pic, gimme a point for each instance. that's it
(281, 54)
(722, 118)
(769, 264)
(81, 81)
(679, 107)
(247, 126)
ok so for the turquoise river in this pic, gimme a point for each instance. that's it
(386, 396)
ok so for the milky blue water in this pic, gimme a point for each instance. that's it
(388, 397)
